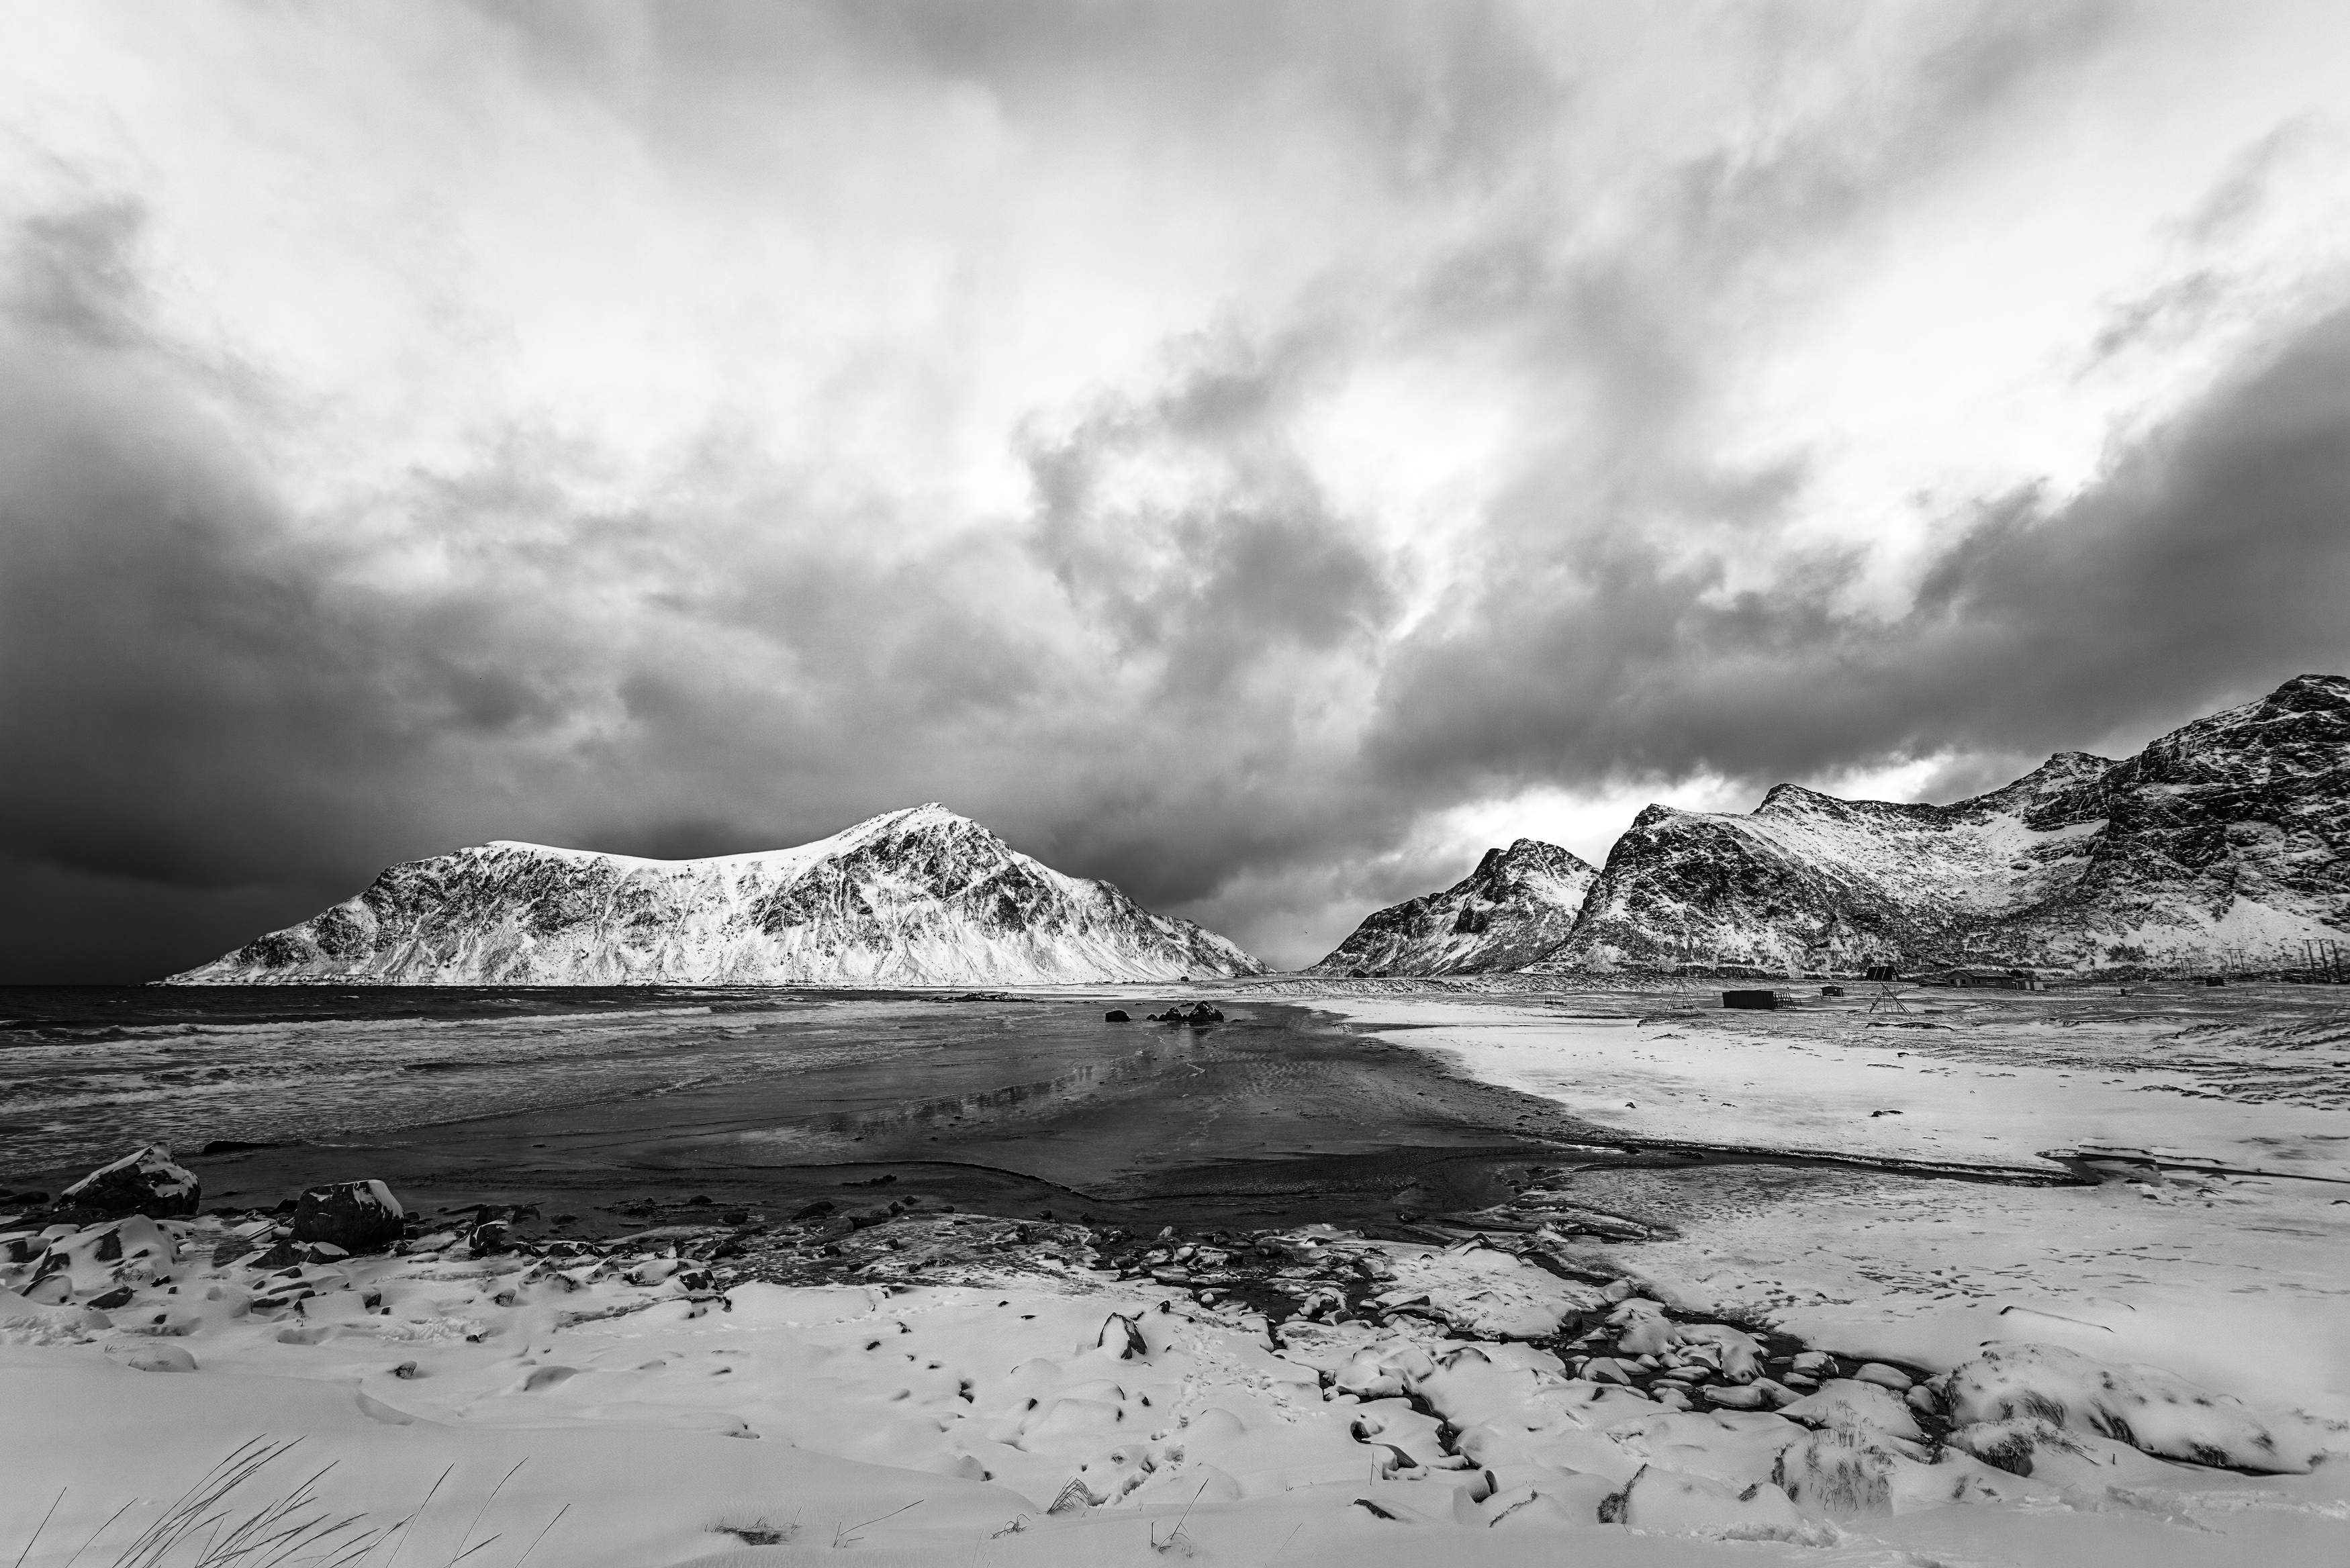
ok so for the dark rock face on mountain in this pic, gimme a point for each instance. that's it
(1519, 904)
(921, 896)
(2226, 840)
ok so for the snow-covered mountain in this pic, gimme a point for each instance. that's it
(921, 896)
(1519, 904)
(2227, 839)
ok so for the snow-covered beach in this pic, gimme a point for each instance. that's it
(1829, 1354)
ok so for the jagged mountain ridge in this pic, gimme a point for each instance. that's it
(2226, 836)
(1517, 905)
(919, 896)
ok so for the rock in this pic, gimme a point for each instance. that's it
(356, 1216)
(1668, 1503)
(144, 1181)
(1117, 1015)
(1841, 1472)
(155, 1356)
(1884, 1377)
(1747, 1396)
(1122, 1333)
(2151, 1410)
(1199, 1013)
(2013, 1445)
(1848, 1404)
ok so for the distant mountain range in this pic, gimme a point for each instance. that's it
(1517, 906)
(2223, 840)
(919, 897)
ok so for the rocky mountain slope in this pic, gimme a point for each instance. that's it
(1519, 904)
(921, 896)
(2224, 842)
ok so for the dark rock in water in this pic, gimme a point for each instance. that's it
(143, 1182)
(356, 1216)
(1117, 1015)
(815, 1211)
(234, 1146)
(1199, 1012)
(1754, 1001)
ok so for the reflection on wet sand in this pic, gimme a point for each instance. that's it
(764, 1099)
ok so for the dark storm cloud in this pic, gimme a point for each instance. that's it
(685, 429)
(1206, 583)
(2212, 562)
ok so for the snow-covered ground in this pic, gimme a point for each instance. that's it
(976, 1394)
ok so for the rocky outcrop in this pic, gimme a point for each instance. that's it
(355, 1216)
(2224, 841)
(1518, 905)
(922, 896)
(145, 1182)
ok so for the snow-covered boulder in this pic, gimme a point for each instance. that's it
(144, 1181)
(2154, 1411)
(1668, 1502)
(1847, 1404)
(89, 1264)
(356, 1216)
(153, 1355)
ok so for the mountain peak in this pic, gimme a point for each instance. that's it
(2230, 835)
(2310, 693)
(1517, 905)
(920, 895)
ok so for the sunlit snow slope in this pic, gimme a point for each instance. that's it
(2227, 839)
(1518, 905)
(921, 896)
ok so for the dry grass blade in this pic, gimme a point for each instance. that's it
(40, 1527)
(402, 1530)
(534, 1540)
(464, 1550)
(94, 1534)
(207, 1526)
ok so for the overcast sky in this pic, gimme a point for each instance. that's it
(1258, 454)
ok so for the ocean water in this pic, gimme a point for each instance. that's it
(86, 1072)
